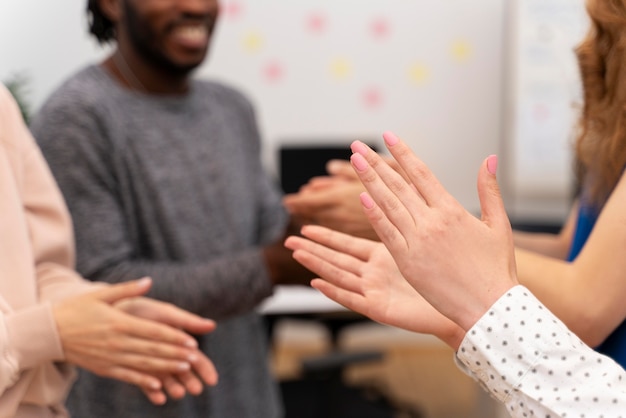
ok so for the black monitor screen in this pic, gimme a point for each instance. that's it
(299, 163)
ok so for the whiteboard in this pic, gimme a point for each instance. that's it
(543, 97)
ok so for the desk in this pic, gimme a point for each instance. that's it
(304, 302)
(298, 300)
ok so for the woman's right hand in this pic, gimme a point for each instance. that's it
(460, 264)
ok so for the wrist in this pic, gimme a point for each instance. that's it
(477, 310)
(454, 337)
(271, 264)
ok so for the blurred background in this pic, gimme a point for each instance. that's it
(457, 79)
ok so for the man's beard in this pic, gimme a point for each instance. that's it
(140, 35)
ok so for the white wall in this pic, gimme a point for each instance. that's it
(433, 70)
(45, 40)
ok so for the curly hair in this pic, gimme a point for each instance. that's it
(99, 24)
(601, 142)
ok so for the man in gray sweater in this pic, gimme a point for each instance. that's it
(163, 178)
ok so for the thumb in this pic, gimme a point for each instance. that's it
(117, 292)
(491, 205)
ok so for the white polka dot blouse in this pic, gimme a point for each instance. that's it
(529, 360)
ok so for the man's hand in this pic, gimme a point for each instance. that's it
(332, 201)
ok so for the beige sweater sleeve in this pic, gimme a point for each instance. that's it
(36, 251)
(50, 227)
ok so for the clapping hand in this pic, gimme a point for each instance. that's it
(115, 333)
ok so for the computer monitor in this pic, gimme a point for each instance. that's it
(300, 162)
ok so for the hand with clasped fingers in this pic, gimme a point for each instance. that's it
(116, 333)
(333, 200)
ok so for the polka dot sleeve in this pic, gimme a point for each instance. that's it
(529, 360)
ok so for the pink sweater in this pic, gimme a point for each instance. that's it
(36, 268)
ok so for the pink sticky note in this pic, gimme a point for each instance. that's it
(380, 27)
(372, 97)
(231, 9)
(273, 71)
(316, 22)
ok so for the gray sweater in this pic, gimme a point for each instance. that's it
(172, 188)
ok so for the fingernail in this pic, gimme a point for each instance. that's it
(191, 343)
(183, 366)
(359, 147)
(492, 164)
(359, 162)
(366, 200)
(192, 358)
(332, 166)
(144, 281)
(390, 138)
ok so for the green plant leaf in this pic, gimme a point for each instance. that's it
(17, 84)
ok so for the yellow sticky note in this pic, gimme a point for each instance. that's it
(419, 74)
(252, 41)
(340, 68)
(461, 50)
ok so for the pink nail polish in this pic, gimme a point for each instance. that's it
(358, 162)
(359, 147)
(366, 200)
(492, 164)
(390, 138)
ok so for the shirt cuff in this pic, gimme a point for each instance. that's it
(509, 341)
(33, 337)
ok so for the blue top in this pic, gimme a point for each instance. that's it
(615, 345)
